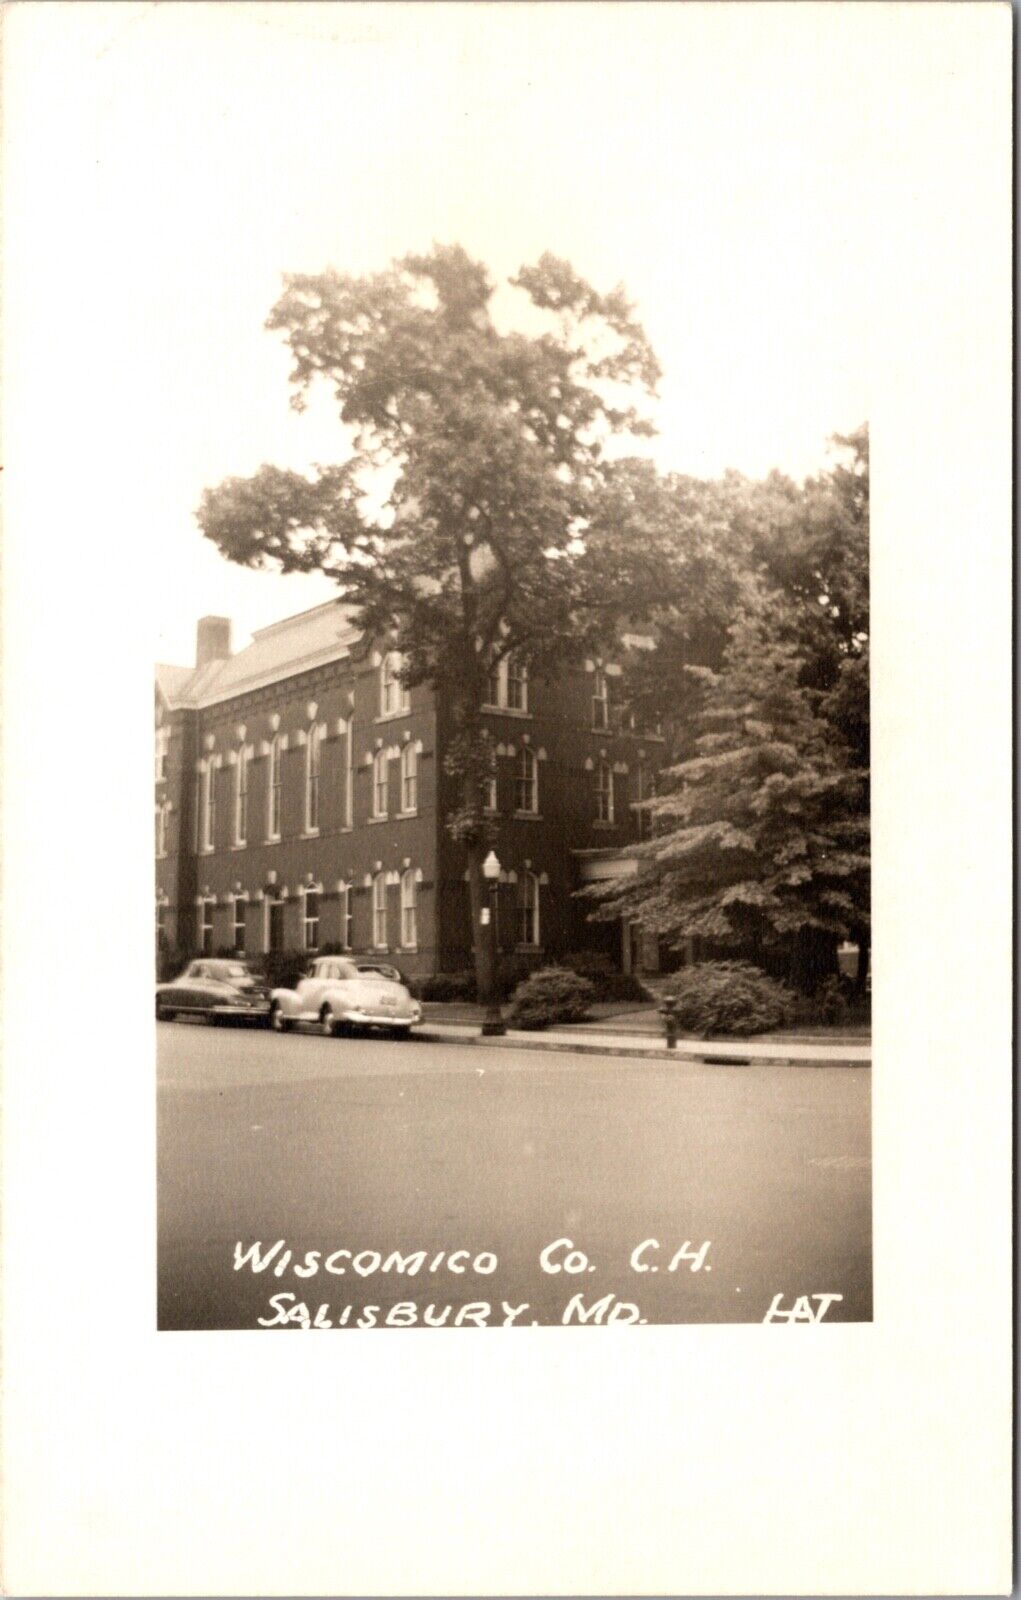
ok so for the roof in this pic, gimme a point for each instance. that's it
(313, 638)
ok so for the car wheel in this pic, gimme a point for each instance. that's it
(277, 1021)
(327, 1022)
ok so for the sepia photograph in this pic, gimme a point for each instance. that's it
(569, 759)
(507, 770)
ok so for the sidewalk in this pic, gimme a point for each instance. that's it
(614, 1037)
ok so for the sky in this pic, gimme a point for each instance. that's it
(716, 160)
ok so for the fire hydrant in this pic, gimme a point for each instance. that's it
(668, 1011)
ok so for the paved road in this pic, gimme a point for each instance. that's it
(372, 1147)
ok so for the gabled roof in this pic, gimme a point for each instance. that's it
(311, 639)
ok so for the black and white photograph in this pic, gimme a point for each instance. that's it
(507, 555)
(568, 758)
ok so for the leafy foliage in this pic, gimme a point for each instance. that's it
(728, 998)
(470, 518)
(549, 996)
(607, 982)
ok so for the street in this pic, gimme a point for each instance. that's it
(476, 1186)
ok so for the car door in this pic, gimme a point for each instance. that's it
(312, 988)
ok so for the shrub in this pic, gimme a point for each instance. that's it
(728, 997)
(282, 968)
(549, 996)
(607, 982)
(447, 986)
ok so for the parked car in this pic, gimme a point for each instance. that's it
(336, 996)
(217, 989)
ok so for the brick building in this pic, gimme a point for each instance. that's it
(301, 797)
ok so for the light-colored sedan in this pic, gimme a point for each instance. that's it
(336, 997)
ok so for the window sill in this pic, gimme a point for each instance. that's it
(508, 711)
(310, 833)
(371, 820)
(528, 816)
(240, 844)
(528, 949)
(603, 825)
(392, 716)
(400, 815)
(273, 838)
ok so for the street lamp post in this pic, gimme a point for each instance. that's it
(492, 1023)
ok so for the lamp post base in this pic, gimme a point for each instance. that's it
(493, 1025)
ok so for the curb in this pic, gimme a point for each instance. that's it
(708, 1055)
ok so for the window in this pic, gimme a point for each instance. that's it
(489, 800)
(409, 778)
(528, 909)
(379, 911)
(345, 917)
(380, 783)
(239, 924)
(604, 792)
(241, 796)
(517, 687)
(601, 703)
(310, 920)
(409, 910)
(208, 806)
(312, 756)
(274, 787)
(507, 688)
(162, 741)
(394, 699)
(526, 783)
(196, 810)
(206, 926)
(161, 830)
(161, 925)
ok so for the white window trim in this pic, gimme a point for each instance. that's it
(526, 759)
(502, 701)
(529, 881)
(241, 777)
(409, 902)
(162, 813)
(276, 748)
(162, 749)
(313, 749)
(380, 909)
(409, 771)
(208, 824)
(239, 921)
(380, 765)
(204, 901)
(391, 664)
(313, 889)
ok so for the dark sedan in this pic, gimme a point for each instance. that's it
(217, 989)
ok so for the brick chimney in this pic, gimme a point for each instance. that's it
(212, 640)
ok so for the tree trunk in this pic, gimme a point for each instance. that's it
(482, 934)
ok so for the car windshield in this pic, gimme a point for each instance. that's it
(226, 970)
(335, 969)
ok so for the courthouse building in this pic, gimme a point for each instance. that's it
(301, 800)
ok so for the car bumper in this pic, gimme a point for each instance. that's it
(251, 1013)
(380, 1019)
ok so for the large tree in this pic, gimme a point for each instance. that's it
(762, 823)
(472, 516)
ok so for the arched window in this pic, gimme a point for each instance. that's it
(528, 909)
(517, 686)
(208, 806)
(409, 778)
(273, 809)
(601, 702)
(409, 910)
(526, 783)
(380, 783)
(310, 919)
(379, 938)
(604, 792)
(241, 796)
(508, 686)
(394, 698)
(240, 907)
(312, 780)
